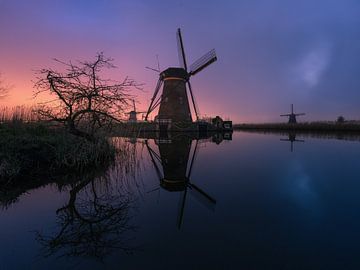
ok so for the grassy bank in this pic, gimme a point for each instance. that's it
(33, 151)
(351, 126)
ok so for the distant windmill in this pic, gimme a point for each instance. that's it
(292, 139)
(173, 102)
(175, 176)
(133, 114)
(292, 115)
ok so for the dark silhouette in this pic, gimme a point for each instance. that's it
(96, 219)
(84, 100)
(92, 223)
(174, 104)
(340, 119)
(292, 139)
(173, 156)
(133, 114)
(292, 115)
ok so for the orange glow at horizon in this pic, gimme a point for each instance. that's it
(23, 79)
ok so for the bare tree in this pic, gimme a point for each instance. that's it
(84, 101)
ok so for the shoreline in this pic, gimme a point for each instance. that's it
(346, 127)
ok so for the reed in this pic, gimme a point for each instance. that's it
(35, 149)
(25, 114)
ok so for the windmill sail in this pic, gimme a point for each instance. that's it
(202, 197)
(181, 50)
(181, 209)
(196, 109)
(151, 107)
(203, 62)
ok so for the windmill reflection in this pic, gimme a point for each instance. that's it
(292, 139)
(173, 169)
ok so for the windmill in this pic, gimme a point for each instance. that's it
(173, 102)
(292, 139)
(133, 114)
(292, 115)
(175, 176)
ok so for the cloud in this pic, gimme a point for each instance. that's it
(313, 64)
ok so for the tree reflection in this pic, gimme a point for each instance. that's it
(96, 218)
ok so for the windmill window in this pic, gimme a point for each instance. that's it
(181, 100)
(166, 99)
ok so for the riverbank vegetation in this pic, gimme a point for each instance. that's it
(338, 126)
(33, 150)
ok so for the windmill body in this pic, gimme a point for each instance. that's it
(132, 116)
(174, 160)
(175, 103)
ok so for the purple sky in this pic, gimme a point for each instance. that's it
(270, 53)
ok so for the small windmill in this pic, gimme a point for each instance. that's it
(174, 177)
(292, 115)
(173, 102)
(133, 114)
(292, 139)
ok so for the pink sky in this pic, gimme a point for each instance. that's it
(269, 55)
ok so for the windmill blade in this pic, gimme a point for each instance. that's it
(285, 114)
(181, 209)
(204, 198)
(203, 62)
(299, 114)
(153, 69)
(181, 50)
(154, 189)
(157, 88)
(196, 110)
(153, 156)
(193, 158)
(158, 62)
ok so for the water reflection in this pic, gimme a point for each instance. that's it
(173, 162)
(95, 221)
(292, 138)
(273, 209)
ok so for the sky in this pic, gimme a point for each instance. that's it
(271, 53)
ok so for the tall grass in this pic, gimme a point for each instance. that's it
(22, 113)
(32, 150)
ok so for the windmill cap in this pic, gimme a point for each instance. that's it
(174, 72)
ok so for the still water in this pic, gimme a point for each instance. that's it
(258, 201)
